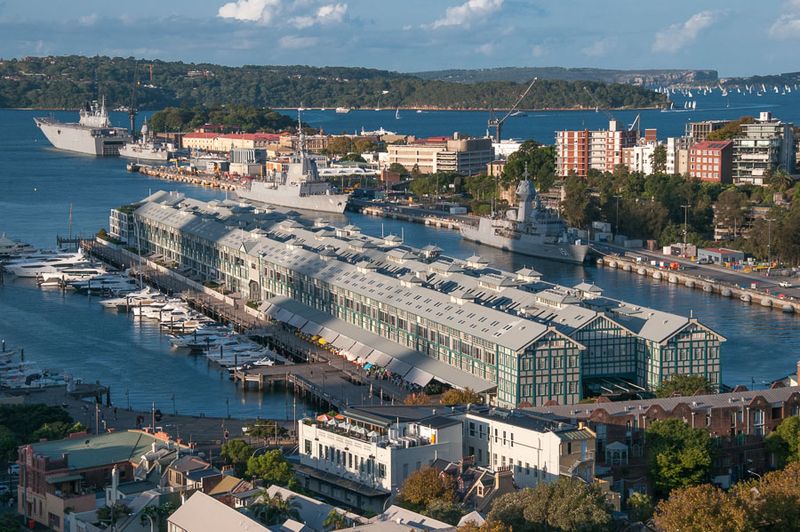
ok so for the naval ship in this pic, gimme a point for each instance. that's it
(530, 230)
(147, 148)
(92, 135)
(297, 186)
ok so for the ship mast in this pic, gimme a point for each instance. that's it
(301, 138)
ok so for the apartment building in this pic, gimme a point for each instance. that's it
(602, 150)
(765, 145)
(58, 477)
(738, 423)
(465, 156)
(365, 454)
(677, 155)
(699, 131)
(711, 160)
(225, 142)
(360, 457)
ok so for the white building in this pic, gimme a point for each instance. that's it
(366, 455)
(201, 513)
(504, 148)
(677, 155)
(536, 449)
(361, 459)
(766, 144)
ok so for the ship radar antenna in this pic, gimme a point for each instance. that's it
(301, 138)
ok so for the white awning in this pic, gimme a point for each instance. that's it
(379, 359)
(298, 321)
(418, 377)
(398, 366)
(311, 328)
(344, 343)
(361, 350)
(284, 315)
(329, 335)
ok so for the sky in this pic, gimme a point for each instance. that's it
(735, 37)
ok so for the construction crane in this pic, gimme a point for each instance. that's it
(497, 123)
(597, 104)
(132, 103)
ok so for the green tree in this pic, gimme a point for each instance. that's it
(57, 430)
(658, 160)
(446, 511)
(340, 145)
(684, 385)
(731, 130)
(540, 161)
(157, 514)
(784, 441)
(425, 486)
(779, 180)
(461, 397)
(113, 514)
(275, 510)
(578, 206)
(273, 468)
(398, 168)
(702, 508)
(773, 501)
(567, 504)
(237, 453)
(334, 521)
(640, 507)
(730, 209)
(678, 455)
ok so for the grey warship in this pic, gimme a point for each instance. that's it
(93, 134)
(530, 230)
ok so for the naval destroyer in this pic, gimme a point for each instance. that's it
(147, 148)
(297, 185)
(530, 230)
(93, 134)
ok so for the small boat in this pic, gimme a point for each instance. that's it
(342, 110)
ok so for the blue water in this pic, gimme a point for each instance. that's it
(541, 125)
(38, 185)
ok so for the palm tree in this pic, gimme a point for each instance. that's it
(155, 515)
(274, 510)
(335, 521)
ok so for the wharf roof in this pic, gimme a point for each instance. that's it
(523, 419)
(410, 359)
(773, 396)
(96, 451)
(512, 310)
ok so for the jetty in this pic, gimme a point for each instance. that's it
(182, 175)
(708, 285)
(321, 376)
(413, 214)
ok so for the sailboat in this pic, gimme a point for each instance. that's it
(397, 114)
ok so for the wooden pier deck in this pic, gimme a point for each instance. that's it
(321, 381)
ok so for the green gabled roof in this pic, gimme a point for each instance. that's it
(94, 451)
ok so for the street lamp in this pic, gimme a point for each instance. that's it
(769, 245)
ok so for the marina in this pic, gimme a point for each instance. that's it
(62, 179)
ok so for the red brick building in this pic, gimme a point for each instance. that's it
(579, 151)
(712, 160)
(738, 422)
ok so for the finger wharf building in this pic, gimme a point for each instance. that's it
(510, 335)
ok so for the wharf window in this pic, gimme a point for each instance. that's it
(512, 439)
(382, 470)
(527, 468)
(494, 460)
(307, 446)
(471, 428)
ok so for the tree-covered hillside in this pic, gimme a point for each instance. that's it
(60, 82)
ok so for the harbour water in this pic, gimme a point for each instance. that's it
(74, 333)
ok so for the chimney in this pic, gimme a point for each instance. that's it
(114, 485)
(504, 479)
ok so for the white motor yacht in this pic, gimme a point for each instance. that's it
(32, 268)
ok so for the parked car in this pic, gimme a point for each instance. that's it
(785, 284)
